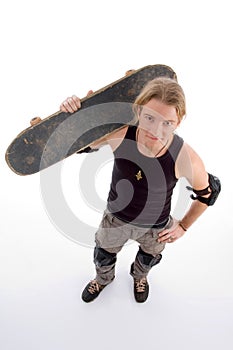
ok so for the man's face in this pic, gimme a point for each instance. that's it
(158, 120)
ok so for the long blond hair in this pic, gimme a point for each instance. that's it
(165, 90)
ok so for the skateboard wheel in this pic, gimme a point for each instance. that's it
(35, 121)
(130, 71)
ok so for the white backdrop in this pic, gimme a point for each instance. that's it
(50, 50)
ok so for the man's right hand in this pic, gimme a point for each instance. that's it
(72, 104)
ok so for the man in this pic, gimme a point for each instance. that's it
(149, 158)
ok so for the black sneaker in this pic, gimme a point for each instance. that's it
(91, 291)
(141, 288)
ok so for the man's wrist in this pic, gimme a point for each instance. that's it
(183, 226)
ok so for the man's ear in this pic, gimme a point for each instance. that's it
(138, 110)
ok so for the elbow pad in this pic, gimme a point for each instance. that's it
(214, 186)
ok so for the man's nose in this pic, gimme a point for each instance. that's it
(157, 128)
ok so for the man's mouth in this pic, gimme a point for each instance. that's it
(152, 137)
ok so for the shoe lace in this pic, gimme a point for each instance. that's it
(94, 287)
(141, 285)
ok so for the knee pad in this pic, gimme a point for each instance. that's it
(103, 258)
(148, 259)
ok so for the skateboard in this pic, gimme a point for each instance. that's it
(60, 135)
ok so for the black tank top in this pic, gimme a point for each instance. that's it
(142, 187)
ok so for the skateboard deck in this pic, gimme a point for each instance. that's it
(60, 135)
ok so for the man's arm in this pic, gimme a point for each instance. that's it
(190, 166)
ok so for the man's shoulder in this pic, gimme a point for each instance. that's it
(115, 138)
(189, 151)
(119, 133)
(112, 138)
(188, 161)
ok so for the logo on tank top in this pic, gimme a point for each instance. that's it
(139, 175)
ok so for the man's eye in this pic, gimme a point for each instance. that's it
(167, 123)
(149, 118)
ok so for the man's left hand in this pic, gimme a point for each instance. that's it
(171, 234)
